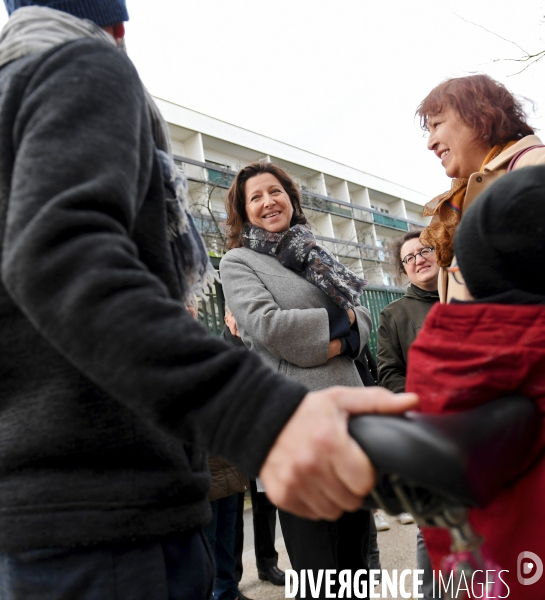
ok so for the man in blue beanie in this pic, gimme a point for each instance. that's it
(110, 392)
(101, 12)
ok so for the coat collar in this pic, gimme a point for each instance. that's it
(507, 155)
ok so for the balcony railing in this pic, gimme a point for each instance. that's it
(381, 219)
(220, 178)
(315, 201)
(223, 177)
(339, 209)
(349, 249)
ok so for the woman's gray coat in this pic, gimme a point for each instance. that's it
(282, 317)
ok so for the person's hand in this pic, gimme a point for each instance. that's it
(315, 469)
(335, 347)
(231, 323)
(351, 316)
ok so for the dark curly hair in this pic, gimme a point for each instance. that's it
(483, 104)
(235, 201)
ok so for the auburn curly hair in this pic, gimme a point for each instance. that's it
(483, 104)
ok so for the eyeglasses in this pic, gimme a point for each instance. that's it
(454, 270)
(411, 258)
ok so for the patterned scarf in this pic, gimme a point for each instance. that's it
(446, 212)
(37, 28)
(296, 249)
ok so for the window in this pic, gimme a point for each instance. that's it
(382, 209)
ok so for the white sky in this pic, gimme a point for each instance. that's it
(341, 79)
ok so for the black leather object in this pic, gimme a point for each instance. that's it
(463, 459)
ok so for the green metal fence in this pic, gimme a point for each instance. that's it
(375, 298)
(212, 310)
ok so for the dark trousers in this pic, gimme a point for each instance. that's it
(374, 553)
(239, 537)
(338, 545)
(264, 519)
(221, 536)
(175, 569)
(264, 516)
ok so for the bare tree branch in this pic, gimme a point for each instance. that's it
(531, 59)
(540, 56)
(494, 33)
(523, 59)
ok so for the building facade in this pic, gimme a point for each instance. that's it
(354, 214)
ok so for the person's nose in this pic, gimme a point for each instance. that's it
(268, 200)
(419, 259)
(432, 142)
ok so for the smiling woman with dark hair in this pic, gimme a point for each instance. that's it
(236, 200)
(300, 310)
(479, 131)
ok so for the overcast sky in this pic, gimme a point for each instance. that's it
(341, 79)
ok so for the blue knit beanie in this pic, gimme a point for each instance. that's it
(101, 12)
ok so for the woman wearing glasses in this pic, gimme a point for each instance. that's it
(399, 324)
(479, 131)
(401, 320)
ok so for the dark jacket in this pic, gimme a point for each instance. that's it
(399, 324)
(226, 479)
(367, 367)
(109, 388)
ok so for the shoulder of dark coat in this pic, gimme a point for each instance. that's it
(104, 59)
(392, 307)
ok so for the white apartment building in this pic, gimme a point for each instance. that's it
(353, 213)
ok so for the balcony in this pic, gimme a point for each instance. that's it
(210, 218)
(322, 204)
(351, 250)
(338, 209)
(380, 219)
(220, 178)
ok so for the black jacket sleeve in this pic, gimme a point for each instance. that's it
(82, 166)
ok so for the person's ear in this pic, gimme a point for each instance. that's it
(119, 31)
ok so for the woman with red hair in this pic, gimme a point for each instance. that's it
(479, 131)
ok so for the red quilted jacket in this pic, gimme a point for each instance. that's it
(469, 354)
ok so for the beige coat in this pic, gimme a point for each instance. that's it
(478, 182)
